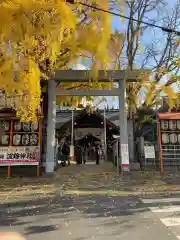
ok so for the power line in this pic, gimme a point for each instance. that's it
(164, 29)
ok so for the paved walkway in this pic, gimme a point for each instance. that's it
(85, 202)
(91, 179)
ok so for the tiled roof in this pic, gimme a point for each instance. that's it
(63, 116)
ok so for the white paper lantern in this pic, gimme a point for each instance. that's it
(165, 138)
(5, 125)
(173, 138)
(164, 124)
(178, 124)
(34, 126)
(172, 124)
(179, 138)
(25, 139)
(5, 139)
(26, 126)
(17, 126)
(33, 139)
(16, 139)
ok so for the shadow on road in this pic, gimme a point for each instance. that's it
(81, 200)
(60, 209)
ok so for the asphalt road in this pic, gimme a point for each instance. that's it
(168, 211)
(83, 218)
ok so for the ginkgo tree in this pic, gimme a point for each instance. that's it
(40, 36)
(126, 49)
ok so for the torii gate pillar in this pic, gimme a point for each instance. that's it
(124, 149)
(51, 127)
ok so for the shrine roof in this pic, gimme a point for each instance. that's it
(82, 119)
(63, 116)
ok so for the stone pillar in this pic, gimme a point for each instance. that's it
(44, 129)
(130, 129)
(51, 127)
(124, 149)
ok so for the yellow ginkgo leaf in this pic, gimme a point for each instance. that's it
(40, 36)
(171, 95)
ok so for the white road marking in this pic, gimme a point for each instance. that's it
(165, 209)
(162, 200)
(169, 222)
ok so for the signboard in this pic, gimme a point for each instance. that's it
(124, 155)
(149, 152)
(13, 156)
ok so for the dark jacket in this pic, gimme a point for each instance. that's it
(65, 150)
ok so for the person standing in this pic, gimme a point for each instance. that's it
(85, 154)
(97, 155)
(78, 154)
(65, 153)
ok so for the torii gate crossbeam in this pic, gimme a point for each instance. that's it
(107, 93)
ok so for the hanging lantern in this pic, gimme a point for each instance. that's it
(173, 138)
(165, 138)
(25, 139)
(178, 124)
(16, 139)
(4, 125)
(34, 127)
(33, 139)
(5, 139)
(179, 138)
(164, 124)
(17, 126)
(26, 127)
(172, 124)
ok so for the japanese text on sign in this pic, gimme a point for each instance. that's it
(18, 156)
(124, 154)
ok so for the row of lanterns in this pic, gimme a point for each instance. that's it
(20, 139)
(172, 138)
(18, 126)
(170, 124)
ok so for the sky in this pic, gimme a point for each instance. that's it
(120, 25)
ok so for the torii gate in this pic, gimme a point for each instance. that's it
(83, 76)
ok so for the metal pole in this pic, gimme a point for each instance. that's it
(72, 129)
(105, 134)
(72, 136)
(117, 160)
